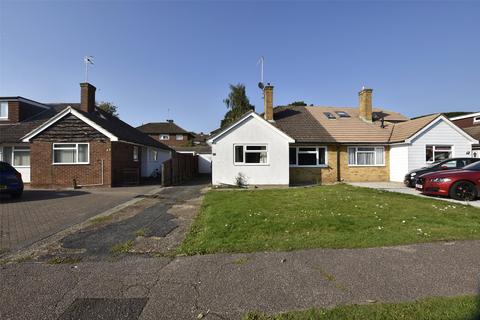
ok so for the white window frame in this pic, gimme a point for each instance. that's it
(452, 154)
(2, 103)
(164, 136)
(245, 145)
(374, 156)
(135, 153)
(297, 151)
(153, 156)
(476, 119)
(76, 153)
(12, 154)
(179, 137)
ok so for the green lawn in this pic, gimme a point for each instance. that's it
(458, 308)
(338, 216)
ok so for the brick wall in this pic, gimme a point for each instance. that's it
(173, 142)
(313, 175)
(46, 175)
(465, 123)
(123, 165)
(19, 111)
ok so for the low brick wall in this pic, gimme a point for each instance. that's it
(179, 168)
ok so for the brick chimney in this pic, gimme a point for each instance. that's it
(365, 104)
(268, 102)
(87, 97)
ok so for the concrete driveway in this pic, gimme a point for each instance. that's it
(400, 187)
(41, 213)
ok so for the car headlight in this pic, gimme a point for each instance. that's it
(440, 179)
(413, 174)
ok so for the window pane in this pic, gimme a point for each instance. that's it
(351, 156)
(256, 148)
(64, 156)
(64, 145)
(3, 109)
(293, 156)
(429, 154)
(365, 158)
(238, 153)
(179, 136)
(7, 154)
(441, 155)
(321, 156)
(135, 153)
(252, 157)
(83, 153)
(379, 156)
(307, 159)
(21, 158)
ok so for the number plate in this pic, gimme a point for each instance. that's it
(418, 186)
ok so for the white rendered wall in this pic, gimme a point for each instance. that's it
(251, 131)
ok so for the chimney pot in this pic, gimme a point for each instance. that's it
(87, 97)
(268, 102)
(365, 104)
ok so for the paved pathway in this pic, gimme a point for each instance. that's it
(224, 286)
(40, 213)
(400, 187)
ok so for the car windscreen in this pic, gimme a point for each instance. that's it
(473, 166)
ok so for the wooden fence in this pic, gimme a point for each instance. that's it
(180, 168)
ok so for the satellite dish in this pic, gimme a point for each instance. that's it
(260, 85)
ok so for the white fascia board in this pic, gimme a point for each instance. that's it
(470, 115)
(450, 123)
(241, 120)
(68, 110)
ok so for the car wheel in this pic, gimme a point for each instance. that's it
(463, 190)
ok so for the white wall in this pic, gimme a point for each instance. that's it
(252, 130)
(204, 163)
(440, 133)
(398, 162)
(149, 166)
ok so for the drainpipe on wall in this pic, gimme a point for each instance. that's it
(339, 176)
(96, 184)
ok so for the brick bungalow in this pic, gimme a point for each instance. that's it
(78, 144)
(325, 144)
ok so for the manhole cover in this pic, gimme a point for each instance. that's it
(104, 309)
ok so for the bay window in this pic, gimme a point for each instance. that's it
(437, 153)
(71, 153)
(308, 156)
(366, 156)
(250, 154)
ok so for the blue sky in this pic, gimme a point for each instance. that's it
(419, 57)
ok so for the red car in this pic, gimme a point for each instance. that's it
(459, 184)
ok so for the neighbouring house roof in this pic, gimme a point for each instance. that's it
(110, 125)
(14, 132)
(201, 137)
(404, 130)
(309, 124)
(473, 131)
(163, 127)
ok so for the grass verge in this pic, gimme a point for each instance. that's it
(124, 247)
(457, 308)
(338, 216)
